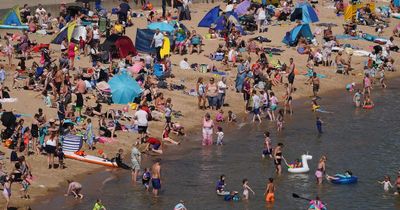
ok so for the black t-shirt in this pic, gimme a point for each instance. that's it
(124, 8)
(178, 3)
(79, 100)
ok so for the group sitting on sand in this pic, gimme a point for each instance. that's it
(83, 112)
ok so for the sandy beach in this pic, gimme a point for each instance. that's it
(46, 181)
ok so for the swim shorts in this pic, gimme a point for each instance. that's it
(156, 183)
(270, 197)
(274, 107)
(142, 129)
(256, 111)
(267, 151)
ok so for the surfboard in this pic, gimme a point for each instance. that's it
(90, 159)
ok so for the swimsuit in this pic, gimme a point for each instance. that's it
(270, 197)
(278, 160)
(319, 173)
(156, 183)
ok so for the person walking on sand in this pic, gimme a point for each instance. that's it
(156, 177)
(246, 189)
(136, 159)
(256, 106)
(7, 190)
(270, 191)
(75, 189)
(321, 169)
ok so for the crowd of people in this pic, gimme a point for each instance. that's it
(72, 92)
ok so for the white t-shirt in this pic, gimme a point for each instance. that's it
(261, 14)
(220, 135)
(221, 87)
(232, 53)
(184, 65)
(158, 39)
(256, 101)
(141, 117)
(96, 34)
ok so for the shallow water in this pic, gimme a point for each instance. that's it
(364, 141)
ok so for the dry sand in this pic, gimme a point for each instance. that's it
(45, 180)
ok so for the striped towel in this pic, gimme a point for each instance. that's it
(71, 143)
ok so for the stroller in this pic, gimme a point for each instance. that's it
(103, 93)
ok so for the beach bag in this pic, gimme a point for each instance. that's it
(219, 56)
(203, 68)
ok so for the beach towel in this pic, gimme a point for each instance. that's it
(8, 100)
(310, 74)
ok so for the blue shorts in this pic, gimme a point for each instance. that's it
(267, 151)
(156, 146)
(156, 183)
(256, 111)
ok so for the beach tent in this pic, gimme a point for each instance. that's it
(242, 8)
(232, 18)
(12, 19)
(71, 143)
(210, 17)
(118, 46)
(165, 27)
(144, 38)
(305, 13)
(72, 32)
(351, 10)
(293, 36)
(124, 88)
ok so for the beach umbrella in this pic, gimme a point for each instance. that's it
(162, 26)
(8, 119)
(124, 88)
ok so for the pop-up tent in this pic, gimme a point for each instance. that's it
(305, 13)
(228, 20)
(124, 88)
(242, 8)
(144, 38)
(12, 20)
(210, 17)
(119, 46)
(293, 36)
(71, 32)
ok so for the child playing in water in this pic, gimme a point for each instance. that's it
(25, 185)
(319, 125)
(382, 79)
(297, 164)
(267, 145)
(357, 98)
(231, 116)
(246, 189)
(146, 178)
(279, 121)
(368, 102)
(220, 135)
(386, 184)
(270, 191)
(220, 116)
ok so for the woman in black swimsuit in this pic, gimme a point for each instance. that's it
(278, 158)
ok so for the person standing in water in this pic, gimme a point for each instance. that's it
(357, 98)
(319, 125)
(314, 80)
(367, 85)
(398, 183)
(270, 191)
(386, 184)
(321, 169)
(278, 158)
(136, 158)
(156, 177)
(246, 189)
(256, 106)
(267, 145)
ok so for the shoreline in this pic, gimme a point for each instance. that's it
(334, 82)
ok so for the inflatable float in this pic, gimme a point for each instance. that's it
(304, 168)
(395, 15)
(223, 193)
(344, 180)
(368, 107)
(90, 159)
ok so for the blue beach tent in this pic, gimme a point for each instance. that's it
(210, 17)
(293, 36)
(12, 20)
(305, 13)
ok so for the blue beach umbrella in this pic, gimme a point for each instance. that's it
(124, 88)
(162, 26)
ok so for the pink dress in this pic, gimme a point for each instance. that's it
(207, 132)
(71, 50)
